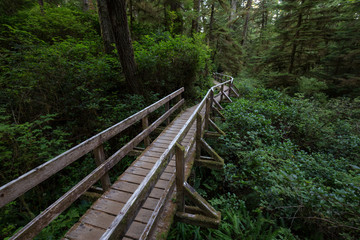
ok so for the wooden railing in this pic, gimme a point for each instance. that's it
(21, 185)
(211, 218)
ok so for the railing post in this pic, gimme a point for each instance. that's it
(198, 135)
(180, 177)
(167, 107)
(99, 159)
(208, 109)
(222, 93)
(145, 125)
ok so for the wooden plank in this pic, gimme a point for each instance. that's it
(156, 193)
(167, 107)
(198, 135)
(83, 231)
(99, 159)
(180, 177)
(198, 220)
(211, 151)
(162, 184)
(199, 201)
(218, 104)
(145, 125)
(143, 164)
(227, 97)
(150, 203)
(212, 124)
(137, 171)
(132, 178)
(143, 215)
(22, 184)
(117, 195)
(108, 206)
(158, 208)
(135, 230)
(97, 218)
(219, 113)
(125, 186)
(165, 176)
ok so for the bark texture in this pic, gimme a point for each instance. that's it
(120, 27)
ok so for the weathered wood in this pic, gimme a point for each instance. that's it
(236, 94)
(145, 124)
(210, 134)
(22, 184)
(198, 220)
(211, 151)
(44, 218)
(222, 92)
(198, 135)
(158, 208)
(135, 152)
(167, 106)
(199, 201)
(209, 164)
(219, 113)
(99, 159)
(180, 177)
(227, 97)
(218, 104)
(213, 125)
(207, 113)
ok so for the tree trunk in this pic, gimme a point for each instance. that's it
(41, 4)
(264, 15)
(85, 5)
(296, 36)
(105, 26)
(232, 10)
(119, 23)
(131, 16)
(246, 24)
(210, 39)
(195, 22)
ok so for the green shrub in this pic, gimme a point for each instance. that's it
(167, 63)
(297, 159)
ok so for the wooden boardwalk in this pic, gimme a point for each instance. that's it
(99, 217)
(142, 202)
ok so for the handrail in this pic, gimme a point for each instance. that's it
(19, 186)
(126, 215)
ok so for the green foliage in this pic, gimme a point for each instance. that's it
(311, 87)
(167, 63)
(297, 158)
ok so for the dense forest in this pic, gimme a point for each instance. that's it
(71, 68)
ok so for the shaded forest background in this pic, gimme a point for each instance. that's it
(298, 66)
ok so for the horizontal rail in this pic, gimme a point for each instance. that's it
(27, 181)
(43, 219)
(126, 215)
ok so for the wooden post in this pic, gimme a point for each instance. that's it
(167, 107)
(145, 125)
(99, 159)
(222, 92)
(198, 135)
(180, 177)
(207, 113)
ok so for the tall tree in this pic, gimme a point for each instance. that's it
(246, 22)
(120, 27)
(105, 26)
(195, 21)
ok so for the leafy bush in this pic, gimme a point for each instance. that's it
(296, 159)
(167, 63)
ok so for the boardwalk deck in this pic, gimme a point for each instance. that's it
(99, 217)
(139, 204)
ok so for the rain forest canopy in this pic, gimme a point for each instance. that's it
(71, 68)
